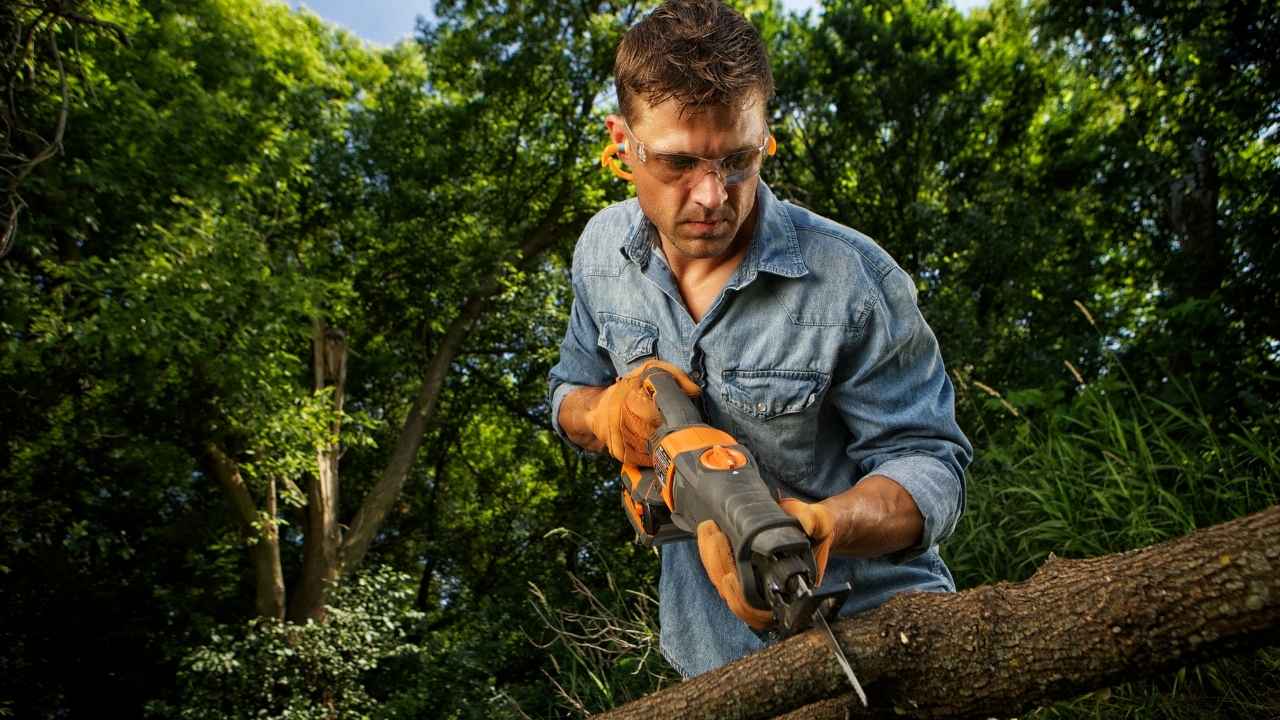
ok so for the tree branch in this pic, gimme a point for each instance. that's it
(263, 538)
(1002, 649)
(228, 476)
(49, 150)
(377, 504)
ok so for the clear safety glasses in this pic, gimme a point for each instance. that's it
(687, 169)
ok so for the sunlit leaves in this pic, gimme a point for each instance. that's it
(267, 669)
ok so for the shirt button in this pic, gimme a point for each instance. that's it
(761, 407)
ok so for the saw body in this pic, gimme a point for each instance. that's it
(702, 473)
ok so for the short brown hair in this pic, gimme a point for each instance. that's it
(699, 52)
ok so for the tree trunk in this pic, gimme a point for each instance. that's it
(260, 532)
(323, 541)
(1000, 650)
(1208, 261)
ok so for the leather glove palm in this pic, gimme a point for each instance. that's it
(717, 557)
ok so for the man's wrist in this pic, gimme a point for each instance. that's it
(575, 420)
(874, 518)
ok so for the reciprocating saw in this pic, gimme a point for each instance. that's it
(703, 473)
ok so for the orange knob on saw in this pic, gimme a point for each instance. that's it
(720, 457)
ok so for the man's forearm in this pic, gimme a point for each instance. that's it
(573, 418)
(876, 517)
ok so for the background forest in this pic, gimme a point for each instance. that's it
(277, 308)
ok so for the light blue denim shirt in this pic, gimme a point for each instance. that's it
(814, 356)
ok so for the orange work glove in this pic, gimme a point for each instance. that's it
(819, 524)
(717, 557)
(626, 415)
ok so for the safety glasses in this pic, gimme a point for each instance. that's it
(685, 168)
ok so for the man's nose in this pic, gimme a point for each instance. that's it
(709, 190)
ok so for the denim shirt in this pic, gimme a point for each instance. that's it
(814, 356)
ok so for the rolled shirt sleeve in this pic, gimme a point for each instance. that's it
(582, 362)
(899, 407)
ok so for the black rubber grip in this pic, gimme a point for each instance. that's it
(677, 409)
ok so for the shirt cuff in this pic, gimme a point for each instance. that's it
(937, 492)
(557, 397)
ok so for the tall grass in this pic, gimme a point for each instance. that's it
(604, 651)
(1110, 470)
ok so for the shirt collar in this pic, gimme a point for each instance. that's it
(775, 245)
(774, 248)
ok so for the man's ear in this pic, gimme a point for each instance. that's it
(613, 125)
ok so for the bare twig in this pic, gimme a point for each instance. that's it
(52, 148)
(49, 17)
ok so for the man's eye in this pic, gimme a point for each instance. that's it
(739, 161)
(678, 163)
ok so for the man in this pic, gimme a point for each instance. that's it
(797, 335)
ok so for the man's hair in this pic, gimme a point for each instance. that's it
(698, 52)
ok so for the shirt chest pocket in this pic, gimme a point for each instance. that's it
(627, 340)
(775, 414)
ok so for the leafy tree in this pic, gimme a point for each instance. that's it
(125, 356)
(950, 141)
(281, 315)
(1189, 172)
(289, 247)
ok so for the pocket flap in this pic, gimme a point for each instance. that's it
(770, 393)
(627, 338)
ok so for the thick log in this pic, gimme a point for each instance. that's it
(999, 650)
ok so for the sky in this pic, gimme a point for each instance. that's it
(386, 21)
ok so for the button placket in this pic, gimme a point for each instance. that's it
(696, 360)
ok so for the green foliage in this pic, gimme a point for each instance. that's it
(1190, 92)
(960, 148)
(269, 669)
(238, 174)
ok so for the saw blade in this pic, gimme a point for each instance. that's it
(835, 648)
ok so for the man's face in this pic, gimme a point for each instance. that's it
(698, 216)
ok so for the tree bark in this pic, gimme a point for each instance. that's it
(1000, 650)
(262, 536)
(323, 540)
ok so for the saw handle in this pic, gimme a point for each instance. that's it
(645, 508)
(676, 408)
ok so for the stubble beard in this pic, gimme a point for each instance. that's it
(701, 246)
